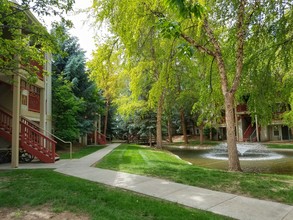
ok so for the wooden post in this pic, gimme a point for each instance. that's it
(236, 123)
(95, 132)
(15, 121)
(256, 125)
(42, 111)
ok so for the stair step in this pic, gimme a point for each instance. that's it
(27, 142)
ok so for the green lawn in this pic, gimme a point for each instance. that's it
(146, 161)
(34, 188)
(80, 152)
(280, 146)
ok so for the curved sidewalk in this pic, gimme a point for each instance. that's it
(238, 207)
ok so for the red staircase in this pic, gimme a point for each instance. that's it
(30, 138)
(101, 139)
(248, 132)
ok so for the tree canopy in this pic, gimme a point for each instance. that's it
(73, 90)
(23, 38)
(232, 48)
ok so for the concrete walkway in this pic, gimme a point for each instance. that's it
(226, 204)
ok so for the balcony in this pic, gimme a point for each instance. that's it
(40, 72)
(241, 108)
(34, 102)
(33, 97)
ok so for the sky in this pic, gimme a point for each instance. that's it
(82, 29)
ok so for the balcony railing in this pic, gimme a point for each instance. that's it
(241, 108)
(34, 102)
(40, 67)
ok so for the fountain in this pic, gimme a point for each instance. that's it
(246, 151)
(254, 157)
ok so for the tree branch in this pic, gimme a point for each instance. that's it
(218, 55)
(241, 30)
(198, 46)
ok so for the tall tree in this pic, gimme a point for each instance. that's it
(104, 69)
(225, 28)
(70, 65)
(144, 50)
(66, 107)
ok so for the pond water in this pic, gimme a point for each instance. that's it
(280, 163)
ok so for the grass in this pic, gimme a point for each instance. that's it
(80, 152)
(146, 161)
(34, 188)
(280, 146)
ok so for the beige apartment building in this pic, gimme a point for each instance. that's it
(25, 113)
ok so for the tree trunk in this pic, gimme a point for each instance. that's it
(159, 123)
(183, 126)
(150, 138)
(106, 116)
(234, 163)
(170, 129)
(216, 52)
(201, 134)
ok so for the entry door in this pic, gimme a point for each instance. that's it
(285, 132)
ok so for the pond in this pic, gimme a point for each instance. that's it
(281, 161)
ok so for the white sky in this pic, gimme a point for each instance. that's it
(82, 28)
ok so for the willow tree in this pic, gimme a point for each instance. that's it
(104, 70)
(222, 29)
(134, 23)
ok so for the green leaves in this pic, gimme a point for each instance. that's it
(66, 107)
(186, 50)
(168, 29)
(187, 8)
(22, 35)
(76, 87)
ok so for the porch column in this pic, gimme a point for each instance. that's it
(99, 125)
(15, 121)
(95, 132)
(256, 127)
(42, 111)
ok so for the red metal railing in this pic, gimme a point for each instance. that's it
(31, 140)
(32, 64)
(37, 144)
(101, 139)
(241, 108)
(40, 68)
(34, 102)
(29, 123)
(5, 121)
(249, 130)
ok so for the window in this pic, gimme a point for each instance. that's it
(23, 99)
(276, 131)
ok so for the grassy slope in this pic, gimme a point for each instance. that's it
(81, 152)
(141, 160)
(280, 146)
(20, 188)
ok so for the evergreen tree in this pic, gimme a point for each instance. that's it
(70, 65)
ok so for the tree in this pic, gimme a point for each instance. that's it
(104, 69)
(66, 107)
(226, 28)
(70, 65)
(143, 50)
(23, 36)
